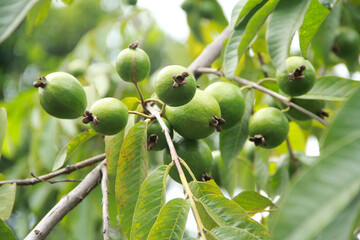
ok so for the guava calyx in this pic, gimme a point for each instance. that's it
(134, 45)
(258, 140)
(322, 114)
(297, 74)
(179, 79)
(205, 177)
(152, 139)
(217, 122)
(40, 83)
(89, 118)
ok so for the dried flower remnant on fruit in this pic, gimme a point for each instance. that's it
(40, 83)
(179, 79)
(258, 140)
(217, 122)
(205, 177)
(89, 118)
(323, 114)
(297, 73)
(134, 45)
(152, 139)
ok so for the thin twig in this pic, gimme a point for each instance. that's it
(139, 113)
(66, 170)
(105, 201)
(141, 96)
(256, 86)
(66, 204)
(55, 181)
(261, 60)
(176, 160)
(292, 156)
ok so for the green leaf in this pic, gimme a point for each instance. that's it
(231, 233)
(224, 176)
(112, 149)
(7, 199)
(131, 103)
(68, 2)
(5, 232)
(70, 148)
(3, 123)
(312, 21)
(252, 201)
(171, 221)
(130, 174)
(341, 227)
(284, 22)
(227, 213)
(277, 182)
(255, 24)
(240, 10)
(232, 140)
(37, 14)
(246, 177)
(332, 88)
(322, 191)
(151, 199)
(12, 12)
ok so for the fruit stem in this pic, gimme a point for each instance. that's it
(140, 114)
(141, 96)
(291, 153)
(258, 87)
(176, 159)
(266, 80)
(158, 101)
(187, 168)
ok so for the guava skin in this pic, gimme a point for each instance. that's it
(298, 86)
(174, 96)
(111, 115)
(271, 124)
(196, 154)
(154, 128)
(133, 65)
(231, 101)
(63, 96)
(314, 106)
(192, 120)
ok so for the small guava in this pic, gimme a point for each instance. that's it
(156, 139)
(198, 118)
(299, 77)
(133, 64)
(175, 85)
(268, 127)
(107, 116)
(196, 154)
(231, 101)
(313, 105)
(188, 5)
(61, 95)
(208, 9)
(77, 67)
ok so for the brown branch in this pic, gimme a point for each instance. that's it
(105, 201)
(256, 86)
(66, 204)
(66, 170)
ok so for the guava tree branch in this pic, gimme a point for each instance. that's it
(256, 86)
(105, 201)
(66, 170)
(66, 204)
(175, 158)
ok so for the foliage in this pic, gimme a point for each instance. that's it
(250, 193)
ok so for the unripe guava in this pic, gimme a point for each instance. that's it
(175, 85)
(268, 127)
(299, 77)
(196, 119)
(155, 137)
(197, 155)
(231, 101)
(314, 106)
(107, 116)
(61, 95)
(133, 64)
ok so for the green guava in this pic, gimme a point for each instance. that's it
(155, 137)
(231, 101)
(196, 154)
(299, 77)
(175, 85)
(133, 64)
(268, 127)
(61, 95)
(313, 105)
(196, 119)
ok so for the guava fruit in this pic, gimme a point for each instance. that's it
(155, 137)
(231, 101)
(299, 77)
(61, 95)
(133, 64)
(196, 119)
(107, 116)
(268, 127)
(312, 105)
(175, 85)
(196, 154)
